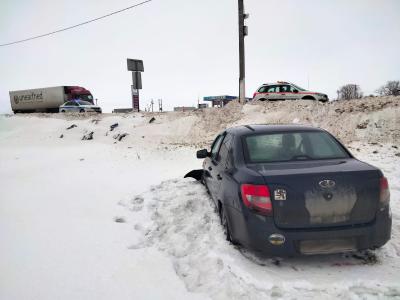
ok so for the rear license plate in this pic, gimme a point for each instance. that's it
(327, 246)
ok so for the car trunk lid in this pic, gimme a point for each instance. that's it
(315, 194)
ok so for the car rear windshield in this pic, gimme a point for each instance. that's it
(293, 146)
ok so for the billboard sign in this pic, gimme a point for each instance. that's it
(135, 65)
(224, 97)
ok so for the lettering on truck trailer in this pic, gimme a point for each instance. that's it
(30, 97)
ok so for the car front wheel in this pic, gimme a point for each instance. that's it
(82, 111)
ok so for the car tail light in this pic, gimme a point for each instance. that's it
(257, 197)
(385, 193)
(254, 95)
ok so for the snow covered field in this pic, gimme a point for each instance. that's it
(114, 219)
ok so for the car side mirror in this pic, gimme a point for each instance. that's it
(295, 91)
(203, 153)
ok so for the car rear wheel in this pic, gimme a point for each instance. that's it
(225, 225)
(263, 99)
(63, 111)
(82, 111)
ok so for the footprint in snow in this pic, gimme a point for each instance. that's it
(137, 203)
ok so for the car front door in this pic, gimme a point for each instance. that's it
(71, 106)
(75, 106)
(210, 167)
(223, 166)
(294, 93)
(284, 92)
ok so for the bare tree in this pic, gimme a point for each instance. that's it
(391, 88)
(349, 91)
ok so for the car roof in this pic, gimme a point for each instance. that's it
(277, 83)
(269, 128)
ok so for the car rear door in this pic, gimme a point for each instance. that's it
(271, 92)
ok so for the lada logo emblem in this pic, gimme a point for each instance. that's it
(327, 184)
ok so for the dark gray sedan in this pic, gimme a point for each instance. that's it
(288, 189)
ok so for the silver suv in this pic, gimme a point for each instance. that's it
(79, 106)
(282, 90)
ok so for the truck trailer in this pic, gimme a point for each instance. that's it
(46, 99)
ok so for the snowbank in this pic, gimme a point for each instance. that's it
(370, 119)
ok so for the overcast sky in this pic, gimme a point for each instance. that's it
(189, 47)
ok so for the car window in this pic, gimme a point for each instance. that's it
(224, 150)
(271, 89)
(298, 88)
(292, 89)
(263, 89)
(284, 88)
(215, 146)
(80, 102)
(325, 146)
(293, 146)
(69, 103)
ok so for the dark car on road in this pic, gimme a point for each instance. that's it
(287, 190)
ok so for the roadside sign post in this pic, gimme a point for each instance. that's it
(135, 99)
(136, 67)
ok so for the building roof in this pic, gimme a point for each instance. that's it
(223, 97)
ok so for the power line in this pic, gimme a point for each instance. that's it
(77, 25)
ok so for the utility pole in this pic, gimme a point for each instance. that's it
(160, 105)
(152, 103)
(243, 31)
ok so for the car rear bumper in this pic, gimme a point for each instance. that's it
(253, 231)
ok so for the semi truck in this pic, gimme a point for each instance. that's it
(47, 99)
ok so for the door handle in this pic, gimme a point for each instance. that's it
(219, 177)
(209, 168)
